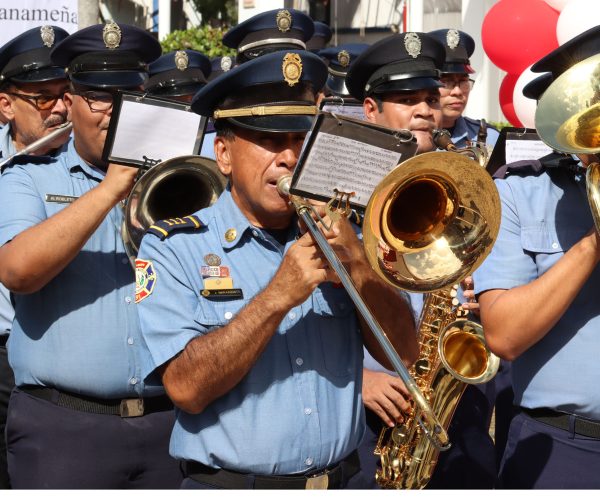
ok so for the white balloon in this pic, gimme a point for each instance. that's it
(576, 17)
(558, 5)
(525, 107)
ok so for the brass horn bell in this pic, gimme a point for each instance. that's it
(431, 221)
(174, 188)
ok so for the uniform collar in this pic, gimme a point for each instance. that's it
(460, 130)
(229, 220)
(78, 167)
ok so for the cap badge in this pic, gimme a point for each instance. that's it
(47, 34)
(181, 60)
(452, 38)
(226, 63)
(111, 34)
(292, 68)
(343, 58)
(284, 20)
(412, 44)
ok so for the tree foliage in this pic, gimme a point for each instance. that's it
(205, 39)
(217, 12)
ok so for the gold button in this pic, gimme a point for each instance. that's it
(230, 235)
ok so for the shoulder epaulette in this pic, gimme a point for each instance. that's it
(523, 167)
(472, 120)
(166, 227)
(28, 159)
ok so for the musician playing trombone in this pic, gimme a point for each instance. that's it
(31, 105)
(257, 346)
(80, 416)
(538, 291)
(397, 78)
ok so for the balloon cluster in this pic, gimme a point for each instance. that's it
(516, 33)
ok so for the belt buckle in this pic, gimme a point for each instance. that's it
(317, 482)
(131, 407)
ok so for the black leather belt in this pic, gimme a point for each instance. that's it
(583, 426)
(134, 407)
(329, 478)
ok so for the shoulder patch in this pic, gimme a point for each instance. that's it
(166, 227)
(145, 279)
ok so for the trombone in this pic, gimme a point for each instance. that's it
(428, 224)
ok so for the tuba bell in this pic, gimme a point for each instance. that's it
(173, 188)
(567, 119)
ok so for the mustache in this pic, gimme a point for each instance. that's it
(54, 120)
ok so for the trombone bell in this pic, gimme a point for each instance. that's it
(431, 221)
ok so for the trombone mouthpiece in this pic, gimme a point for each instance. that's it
(442, 139)
(283, 185)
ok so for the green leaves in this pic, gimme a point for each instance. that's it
(205, 39)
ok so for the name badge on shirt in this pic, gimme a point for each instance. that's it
(60, 198)
(221, 288)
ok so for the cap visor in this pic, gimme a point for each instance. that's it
(276, 123)
(110, 79)
(408, 84)
(40, 75)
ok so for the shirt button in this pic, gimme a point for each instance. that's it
(307, 411)
(128, 300)
(228, 315)
(130, 341)
(554, 245)
(133, 381)
(308, 461)
(292, 315)
(124, 260)
(299, 361)
(255, 233)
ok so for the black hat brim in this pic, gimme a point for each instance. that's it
(110, 79)
(41, 75)
(275, 123)
(337, 86)
(458, 68)
(408, 85)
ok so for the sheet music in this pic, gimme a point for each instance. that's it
(346, 164)
(157, 132)
(352, 110)
(525, 150)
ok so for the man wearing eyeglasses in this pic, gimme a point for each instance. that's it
(456, 87)
(31, 106)
(81, 416)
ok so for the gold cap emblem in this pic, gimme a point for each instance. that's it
(47, 34)
(230, 235)
(111, 34)
(284, 20)
(452, 38)
(292, 68)
(181, 60)
(226, 63)
(343, 58)
(412, 44)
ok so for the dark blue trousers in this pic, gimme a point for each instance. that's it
(7, 382)
(540, 456)
(58, 448)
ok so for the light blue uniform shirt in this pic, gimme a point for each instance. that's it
(299, 407)
(467, 129)
(80, 333)
(7, 312)
(543, 216)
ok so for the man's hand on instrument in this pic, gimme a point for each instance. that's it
(385, 395)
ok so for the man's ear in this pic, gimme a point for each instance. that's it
(6, 107)
(223, 154)
(68, 100)
(370, 109)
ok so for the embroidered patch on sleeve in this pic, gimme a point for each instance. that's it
(145, 279)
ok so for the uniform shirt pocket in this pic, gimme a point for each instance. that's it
(213, 314)
(540, 240)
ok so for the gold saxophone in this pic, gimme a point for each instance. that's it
(428, 225)
(452, 354)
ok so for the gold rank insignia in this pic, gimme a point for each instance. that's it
(111, 34)
(292, 68)
(283, 20)
(181, 60)
(452, 38)
(412, 44)
(47, 35)
(145, 279)
(226, 63)
(343, 58)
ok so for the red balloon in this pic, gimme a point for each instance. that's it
(505, 96)
(516, 33)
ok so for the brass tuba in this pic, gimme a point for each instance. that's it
(567, 119)
(428, 225)
(173, 188)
